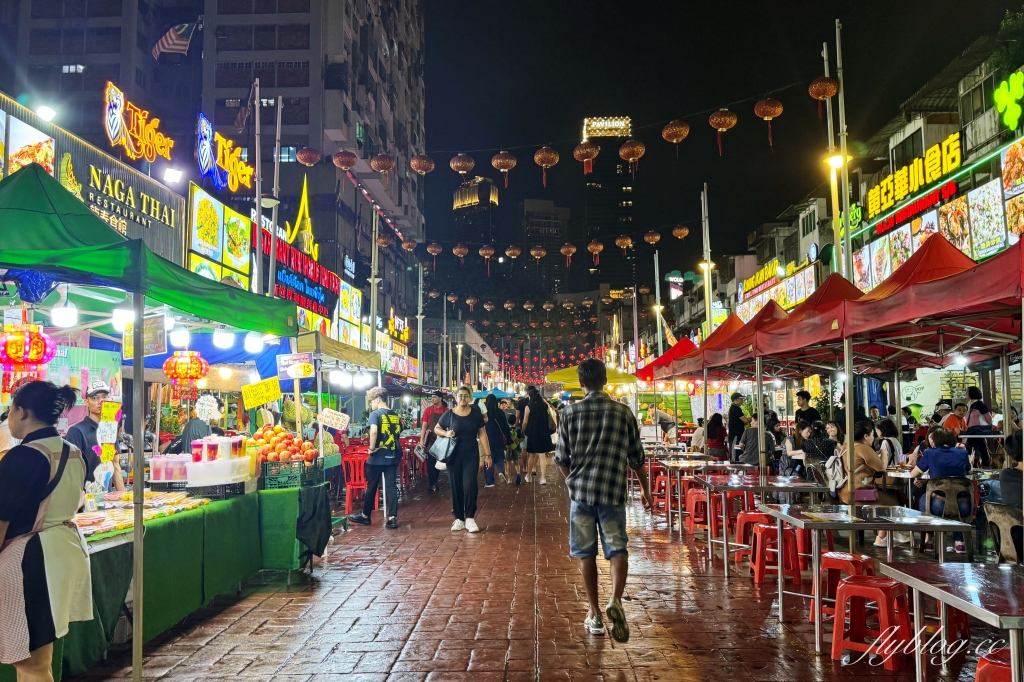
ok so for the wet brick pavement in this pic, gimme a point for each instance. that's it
(423, 603)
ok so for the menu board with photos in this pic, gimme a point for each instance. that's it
(901, 246)
(219, 242)
(985, 207)
(788, 293)
(29, 145)
(881, 262)
(350, 303)
(954, 225)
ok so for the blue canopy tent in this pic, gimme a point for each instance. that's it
(500, 395)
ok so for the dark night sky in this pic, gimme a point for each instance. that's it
(517, 75)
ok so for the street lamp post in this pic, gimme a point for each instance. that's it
(657, 301)
(458, 366)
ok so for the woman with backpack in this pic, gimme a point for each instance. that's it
(499, 436)
(538, 425)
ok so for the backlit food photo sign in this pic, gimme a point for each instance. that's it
(219, 159)
(130, 127)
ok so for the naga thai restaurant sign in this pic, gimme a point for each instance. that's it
(133, 204)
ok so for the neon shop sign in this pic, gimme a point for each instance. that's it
(130, 127)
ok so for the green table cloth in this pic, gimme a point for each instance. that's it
(231, 544)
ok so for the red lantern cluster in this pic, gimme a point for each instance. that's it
(308, 156)
(24, 347)
(186, 367)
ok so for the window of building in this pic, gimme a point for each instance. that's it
(909, 149)
(72, 68)
(44, 78)
(105, 8)
(265, 72)
(288, 6)
(234, 74)
(627, 189)
(293, 37)
(977, 100)
(265, 37)
(808, 223)
(234, 6)
(97, 75)
(140, 78)
(625, 204)
(73, 8)
(287, 153)
(44, 41)
(293, 74)
(234, 38)
(142, 42)
(104, 40)
(46, 9)
(266, 6)
(74, 41)
(618, 169)
(295, 111)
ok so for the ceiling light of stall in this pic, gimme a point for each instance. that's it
(960, 360)
(254, 377)
(346, 380)
(180, 337)
(841, 376)
(407, 399)
(64, 316)
(168, 322)
(224, 372)
(201, 383)
(334, 376)
(121, 318)
(777, 383)
(253, 342)
(223, 339)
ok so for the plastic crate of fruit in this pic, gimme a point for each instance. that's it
(293, 474)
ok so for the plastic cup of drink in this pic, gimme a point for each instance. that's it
(197, 451)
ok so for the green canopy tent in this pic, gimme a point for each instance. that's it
(44, 227)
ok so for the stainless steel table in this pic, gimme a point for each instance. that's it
(690, 464)
(817, 518)
(994, 594)
(753, 483)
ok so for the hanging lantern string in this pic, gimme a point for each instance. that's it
(636, 233)
(645, 126)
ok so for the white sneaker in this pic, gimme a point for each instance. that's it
(502, 478)
(594, 624)
(471, 526)
(441, 466)
(543, 481)
(458, 525)
(901, 538)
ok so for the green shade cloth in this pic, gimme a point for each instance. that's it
(279, 513)
(7, 673)
(48, 229)
(231, 544)
(85, 643)
(173, 565)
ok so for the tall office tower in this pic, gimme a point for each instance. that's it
(609, 201)
(546, 225)
(474, 204)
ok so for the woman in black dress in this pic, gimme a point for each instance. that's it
(465, 423)
(538, 434)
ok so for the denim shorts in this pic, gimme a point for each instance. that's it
(585, 521)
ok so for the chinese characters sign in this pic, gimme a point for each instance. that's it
(939, 160)
(130, 127)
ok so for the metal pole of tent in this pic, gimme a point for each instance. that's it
(272, 280)
(898, 404)
(258, 272)
(374, 265)
(1006, 417)
(657, 302)
(156, 425)
(318, 363)
(419, 327)
(759, 410)
(850, 403)
(707, 413)
(1004, 376)
(138, 483)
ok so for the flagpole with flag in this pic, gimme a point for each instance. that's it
(176, 40)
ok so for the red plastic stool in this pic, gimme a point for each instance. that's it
(834, 563)
(766, 540)
(745, 531)
(994, 667)
(852, 596)
(697, 508)
(803, 545)
(957, 621)
(686, 484)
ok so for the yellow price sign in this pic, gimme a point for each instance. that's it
(261, 393)
(111, 411)
(107, 452)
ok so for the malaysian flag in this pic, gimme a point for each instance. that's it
(176, 40)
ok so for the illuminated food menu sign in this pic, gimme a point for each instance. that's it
(301, 279)
(133, 204)
(219, 240)
(350, 311)
(760, 281)
(789, 292)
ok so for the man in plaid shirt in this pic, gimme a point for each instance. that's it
(597, 439)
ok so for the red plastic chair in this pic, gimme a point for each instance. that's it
(354, 466)
(766, 541)
(696, 509)
(745, 532)
(994, 667)
(852, 597)
(833, 565)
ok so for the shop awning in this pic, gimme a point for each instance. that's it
(47, 228)
(682, 347)
(315, 342)
(693, 362)
(569, 378)
(819, 318)
(741, 344)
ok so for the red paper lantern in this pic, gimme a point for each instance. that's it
(568, 250)
(680, 232)
(383, 164)
(434, 293)
(422, 164)
(587, 302)
(186, 367)
(513, 251)
(595, 247)
(462, 164)
(652, 237)
(823, 88)
(538, 252)
(384, 241)
(545, 157)
(722, 120)
(460, 250)
(434, 249)
(24, 347)
(452, 298)
(644, 289)
(486, 251)
(409, 244)
(344, 159)
(623, 242)
(510, 305)
(528, 306)
(768, 109)
(472, 301)
(489, 306)
(308, 156)
(504, 162)
(586, 152)
(675, 132)
(631, 151)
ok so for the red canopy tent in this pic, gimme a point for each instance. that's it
(682, 347)
(693, 362)
(740, 345)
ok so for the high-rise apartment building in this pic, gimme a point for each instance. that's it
(547, 225)
(350, 77)
(609, 201)
(474, 204)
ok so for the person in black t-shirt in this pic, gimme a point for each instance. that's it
(737, 422)
(385, 453)
(805, 413)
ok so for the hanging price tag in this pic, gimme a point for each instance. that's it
(106, 432)
(334, 419)
(111, 412)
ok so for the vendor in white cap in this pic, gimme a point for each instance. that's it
(83, 434)
(947, 419)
